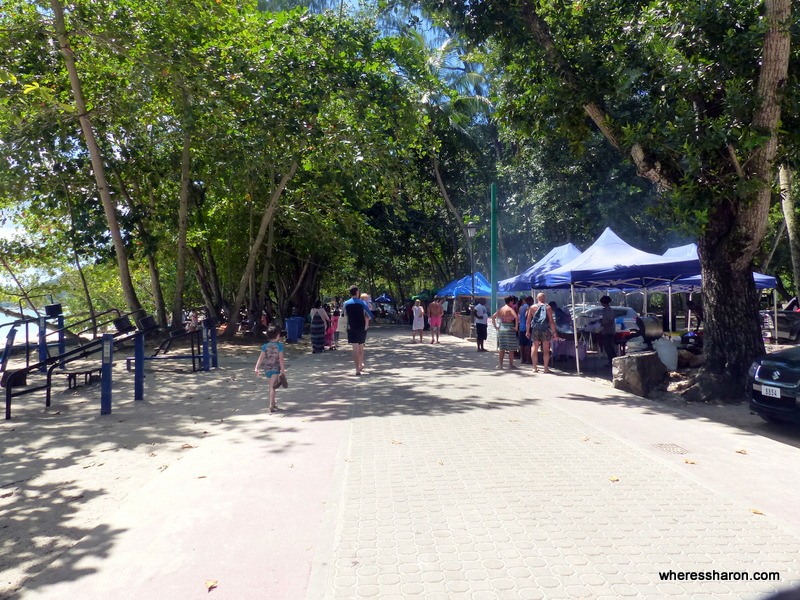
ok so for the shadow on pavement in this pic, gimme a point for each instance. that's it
(69, 460)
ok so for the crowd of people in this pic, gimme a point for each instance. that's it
(523, 325)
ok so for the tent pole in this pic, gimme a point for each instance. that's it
(775, 304)
(575, 330)
(669, 308)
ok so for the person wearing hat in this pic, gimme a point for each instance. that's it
(608, 329)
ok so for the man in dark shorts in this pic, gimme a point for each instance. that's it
(524, 339)
(358, 318)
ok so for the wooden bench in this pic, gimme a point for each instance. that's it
(89, 373)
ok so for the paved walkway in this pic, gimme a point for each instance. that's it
(436, 475)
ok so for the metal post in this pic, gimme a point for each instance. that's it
(43, 343)
(138, 366)
(106, 374)
(493, 268)
(575, 331)
(775, 304)
(669, 308)
(206, 357)
(214, 360)
(62, 347)
(472, 268)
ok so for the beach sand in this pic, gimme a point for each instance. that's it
(66, 469)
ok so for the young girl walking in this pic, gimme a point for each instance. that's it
(271, 359)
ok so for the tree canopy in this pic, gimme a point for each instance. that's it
(257, 155)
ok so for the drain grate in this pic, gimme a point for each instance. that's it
(672, 448)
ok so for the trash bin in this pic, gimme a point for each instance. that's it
(301, 325)
(294, 327)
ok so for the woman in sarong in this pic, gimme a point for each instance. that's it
(319, 323)
(507, 339)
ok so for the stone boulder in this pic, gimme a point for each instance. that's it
(684, 358)
(638, 373)
(698, 360)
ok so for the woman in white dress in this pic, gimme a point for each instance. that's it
(418, 325)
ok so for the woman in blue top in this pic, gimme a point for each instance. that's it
(271, 359)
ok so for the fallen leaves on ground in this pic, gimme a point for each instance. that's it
(396, 442)
(211, 584)
(755, 511)
(613, 479)
(689, 461)
(187, 447)
(741, 451)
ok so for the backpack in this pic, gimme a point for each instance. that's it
(540, 321)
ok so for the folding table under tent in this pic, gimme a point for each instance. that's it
(558, 256)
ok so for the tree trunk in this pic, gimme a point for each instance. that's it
(22, 291)
(764, 268)
(792, 225)
(77, 258)
(183, 226)
(213, 278)
(732, 327)
(203, 280)
(450, 206)
(149, 245)
(97, 161)
(264, 286)
(251, 259)
(736, 228)
(158, 293)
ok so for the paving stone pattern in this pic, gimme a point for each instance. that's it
(450, 498)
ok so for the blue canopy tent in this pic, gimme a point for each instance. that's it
(613, 263)
(558, 256)
(693, 283)
(463, 287)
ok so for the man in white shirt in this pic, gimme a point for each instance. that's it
(481, 323)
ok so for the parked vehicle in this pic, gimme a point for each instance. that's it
(774, 383)
(788, 324)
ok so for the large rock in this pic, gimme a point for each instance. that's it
(638, 373)
(684, 358)
(697, 360)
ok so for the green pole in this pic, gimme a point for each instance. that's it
(493, 266)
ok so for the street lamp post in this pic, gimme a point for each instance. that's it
(471, 229)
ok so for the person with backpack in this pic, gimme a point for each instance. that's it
(541, 329)
(524, 339)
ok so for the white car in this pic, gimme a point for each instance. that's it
(589, 319)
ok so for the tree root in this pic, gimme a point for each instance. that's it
(707, 386)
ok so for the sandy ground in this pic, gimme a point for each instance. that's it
(65, 468)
